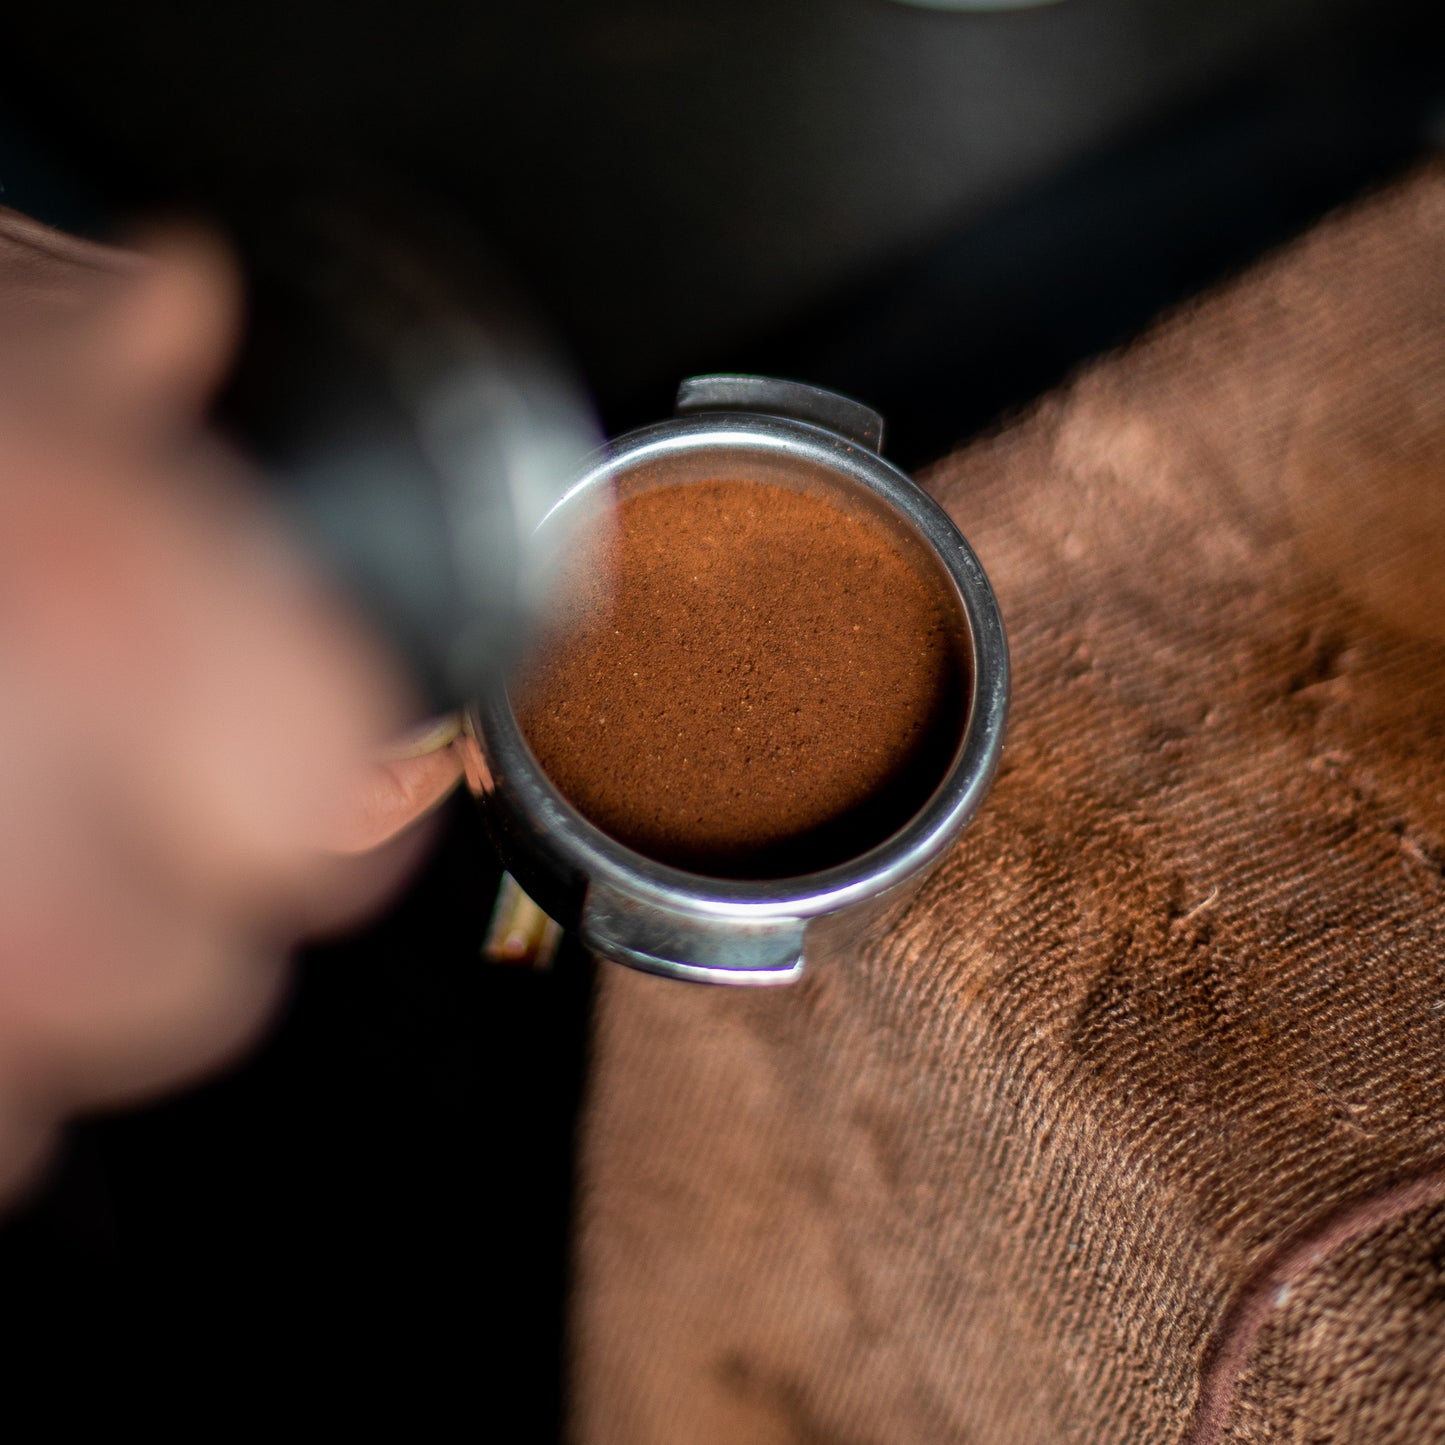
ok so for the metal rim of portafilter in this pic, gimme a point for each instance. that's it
(638, 911)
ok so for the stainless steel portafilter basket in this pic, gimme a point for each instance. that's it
(639, 911)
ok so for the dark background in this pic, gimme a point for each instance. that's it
(941, 213)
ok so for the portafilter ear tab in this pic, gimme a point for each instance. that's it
(772, 396)
(414, 424)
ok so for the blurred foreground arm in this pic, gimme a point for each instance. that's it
(189, 723)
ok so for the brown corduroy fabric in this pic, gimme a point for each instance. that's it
(1131, 1125)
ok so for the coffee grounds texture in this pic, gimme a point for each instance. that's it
(743, 680)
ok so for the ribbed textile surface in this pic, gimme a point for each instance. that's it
(1130, 1126)
(1353, 1350)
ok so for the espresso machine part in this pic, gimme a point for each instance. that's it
(647, 914)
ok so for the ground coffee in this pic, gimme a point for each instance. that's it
(743, 680)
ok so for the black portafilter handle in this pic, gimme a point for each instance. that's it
(414, 426)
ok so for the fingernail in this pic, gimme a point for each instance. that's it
(428, 737)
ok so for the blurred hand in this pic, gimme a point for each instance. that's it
(194, 766)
